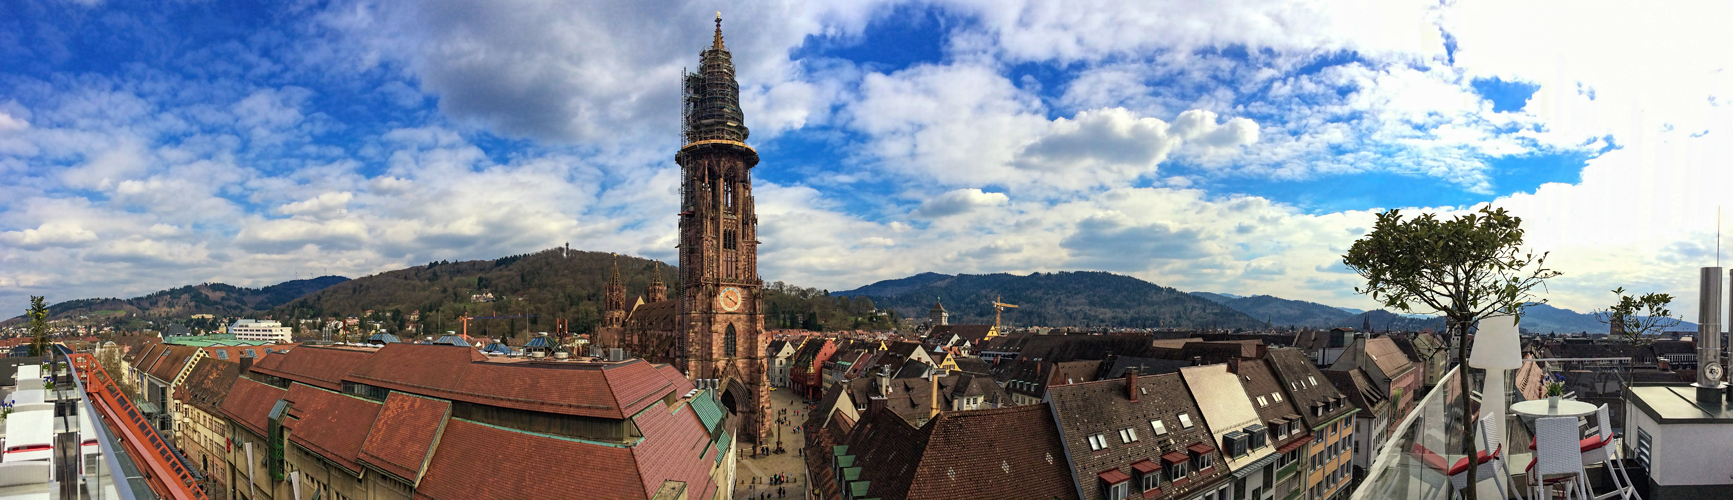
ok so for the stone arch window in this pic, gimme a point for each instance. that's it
(728, 341)
(728, 195)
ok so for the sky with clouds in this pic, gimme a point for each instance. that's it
(1227, 146)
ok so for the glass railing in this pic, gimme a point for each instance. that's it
(1429, 438)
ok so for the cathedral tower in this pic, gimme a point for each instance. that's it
(614, 303)
(720, 288)
(657, 291)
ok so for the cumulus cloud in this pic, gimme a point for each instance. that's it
(52, 234)
(1114, 144)
(1113, 241)
(960, 201)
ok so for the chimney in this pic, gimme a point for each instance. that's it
(874, 404)
(1665, 366)
(1234, 365)
(1131, 383)
(1709, 333)
(246, 365)
(935, 377)
(1263, 351)
(1197, 360)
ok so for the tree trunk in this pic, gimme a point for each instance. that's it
(1468, 427)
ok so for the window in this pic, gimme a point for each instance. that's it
(1185, 421)
(1176, 471)
(1149, 481)
(1097, 442)
(1313, 379)
(1258, 436)
(1202, 461)
(1277, 396)
(1261, 402)
(1159, 428)
(1240, 488)
(1128, 435)
(1235, 443)
(1119, 490)
(223, 355)
(728, 341)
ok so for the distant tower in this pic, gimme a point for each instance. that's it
(1366, 322)
(937, 314)
(614, 304)
(657, 291)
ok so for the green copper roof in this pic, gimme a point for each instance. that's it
(722, 446)
(851, 473)
(709, 411)
(839, 450)
(845, 461)
(859, 488)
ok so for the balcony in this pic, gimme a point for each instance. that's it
(1399, 470)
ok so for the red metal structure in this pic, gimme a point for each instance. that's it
(167, 476)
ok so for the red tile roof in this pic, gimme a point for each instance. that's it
(669, 456)
(318, 366)
(600, 472)
(595, 390)
(170, 361)
(249, 403)
(209, 384)
(329, 423)
(404, 435)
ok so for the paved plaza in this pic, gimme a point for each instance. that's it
(785, 404)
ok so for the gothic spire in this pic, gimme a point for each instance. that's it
(718, 43)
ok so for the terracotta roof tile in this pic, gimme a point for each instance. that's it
(317, 366)
(609, 391)
(249, 403)
(678, 451)
(403, 436)
(209, 384)
(604, 472)
(171, 360)
(332, 424)
(1104, 407)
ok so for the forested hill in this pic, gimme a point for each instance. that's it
(206, 298)
(1054, 299)
(549, 284)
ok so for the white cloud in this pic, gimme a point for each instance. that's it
(960, 201)
(52, 234)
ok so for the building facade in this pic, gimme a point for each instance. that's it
(260, 330)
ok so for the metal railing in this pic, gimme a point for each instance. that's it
(1408, 465)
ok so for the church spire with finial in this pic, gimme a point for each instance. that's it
(718, 43)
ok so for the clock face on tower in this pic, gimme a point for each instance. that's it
(729, 299)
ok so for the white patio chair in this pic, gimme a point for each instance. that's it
(1557, 459)
(1599, 448)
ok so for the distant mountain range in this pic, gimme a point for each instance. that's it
(206, 298)
(1083, 298)
(1538, 318)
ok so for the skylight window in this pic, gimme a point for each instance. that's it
(1277, 396)
(1159, 428)
(1314, 380)
(1185, 420)
(1262, 402)
(1128, 435)
(1097, 442)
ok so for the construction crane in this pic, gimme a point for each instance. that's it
(465, 319)
(999, 309)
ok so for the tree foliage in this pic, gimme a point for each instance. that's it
(38, 314)
(1636, 317)
(1468, 268)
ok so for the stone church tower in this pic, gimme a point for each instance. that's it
(720, 288)
(657, 291)
(614, 300)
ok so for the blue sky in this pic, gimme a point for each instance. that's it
(1233, 147)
